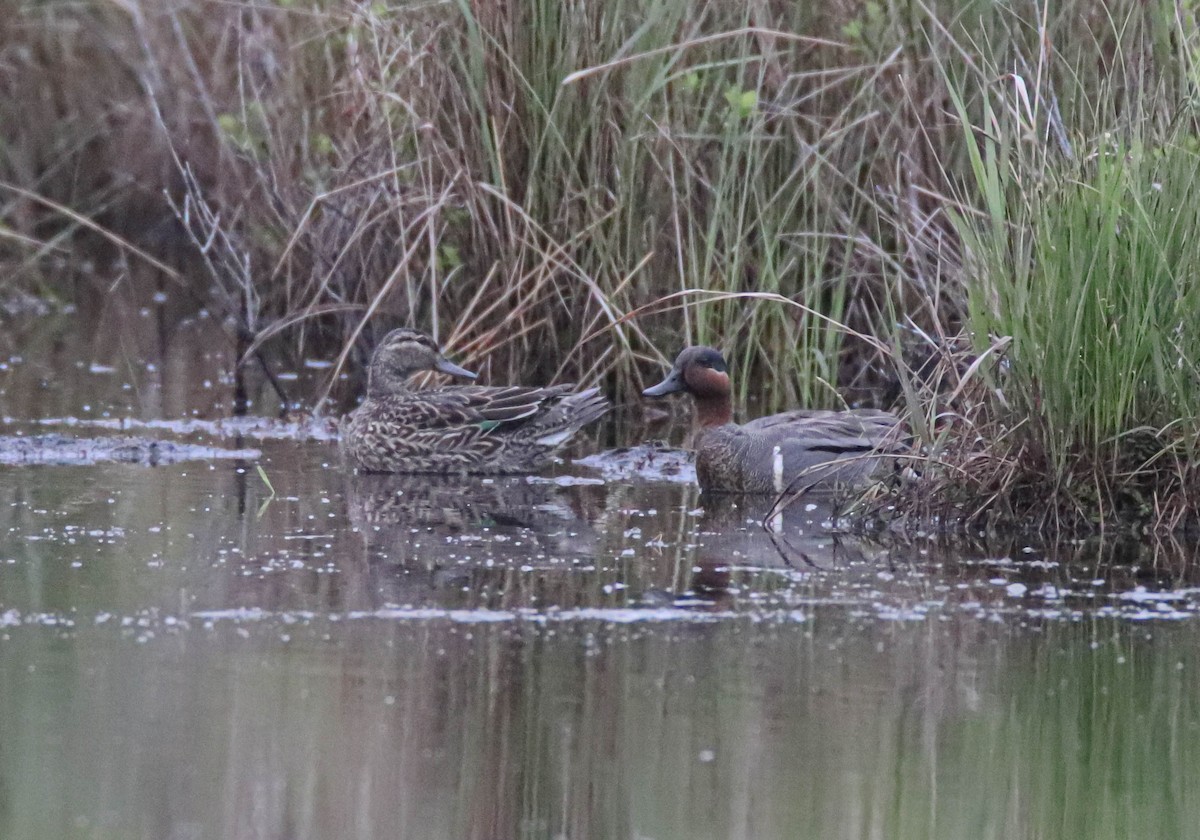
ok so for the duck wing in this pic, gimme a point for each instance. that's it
(482, 407)
(804, 423)
(817, 448)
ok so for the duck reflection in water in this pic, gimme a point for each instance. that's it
(436, 540)
(729, 552)
(743, 533)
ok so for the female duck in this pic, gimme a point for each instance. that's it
(796, 450)
(456, 429)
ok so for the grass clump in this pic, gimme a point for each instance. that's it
(1071, 398)
(1103, 313)
(1086, 267)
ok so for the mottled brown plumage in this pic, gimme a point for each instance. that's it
(456, 429)
(795, 450)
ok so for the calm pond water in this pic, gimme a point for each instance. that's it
(185, 654)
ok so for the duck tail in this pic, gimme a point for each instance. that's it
(570, 414)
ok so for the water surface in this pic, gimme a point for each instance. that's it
(189, 652)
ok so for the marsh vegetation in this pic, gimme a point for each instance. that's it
(977, 210)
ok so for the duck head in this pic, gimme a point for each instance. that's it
(402, 353)
(701, 372)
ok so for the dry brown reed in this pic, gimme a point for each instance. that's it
(514, 177)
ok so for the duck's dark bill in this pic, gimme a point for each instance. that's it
(669, 385)
(447, 366)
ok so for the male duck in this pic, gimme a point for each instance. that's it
(456, 429)
(796, 450)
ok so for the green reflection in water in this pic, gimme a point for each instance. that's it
(375, 729)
